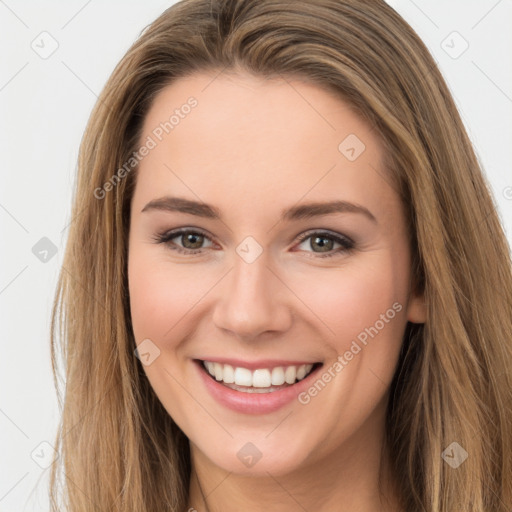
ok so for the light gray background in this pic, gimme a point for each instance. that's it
(45, 104)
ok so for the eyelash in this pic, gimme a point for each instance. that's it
(347, 245)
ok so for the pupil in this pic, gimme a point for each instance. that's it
(193, 239)
(324, 247)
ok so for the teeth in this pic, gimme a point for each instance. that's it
(261, 378)
(228, 374)
(218, 371)
(290, 374)
(278, 376)
(301, 372)
(243, 377)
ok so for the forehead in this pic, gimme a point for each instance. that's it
(256, 113)
(247, 138)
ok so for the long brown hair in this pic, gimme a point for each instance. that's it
(119, 449)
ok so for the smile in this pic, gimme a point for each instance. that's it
(261, 380)
(264, 388)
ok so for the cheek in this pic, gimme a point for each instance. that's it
(351, 299)
(162, 307)
(153, 300)
(160, 299)
(363, 306)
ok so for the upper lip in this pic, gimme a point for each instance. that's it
(256, 365)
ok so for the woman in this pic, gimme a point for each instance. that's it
(286, 285)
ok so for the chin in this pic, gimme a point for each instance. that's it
(260, 456)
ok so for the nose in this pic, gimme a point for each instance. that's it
(253, 301)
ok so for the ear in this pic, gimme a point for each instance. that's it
(417, 309)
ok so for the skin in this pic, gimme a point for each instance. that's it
(253, 147)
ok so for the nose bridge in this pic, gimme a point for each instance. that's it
(250, 280)
(251, 302)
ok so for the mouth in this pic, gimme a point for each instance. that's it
(269, 379)
(258, 389)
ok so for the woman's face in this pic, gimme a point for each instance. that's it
(267, 240)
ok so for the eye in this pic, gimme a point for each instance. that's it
(191, 240)
(322, 243)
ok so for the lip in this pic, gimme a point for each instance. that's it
(253, 403)
(257, 365)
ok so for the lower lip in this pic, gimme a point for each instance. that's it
(253, 403)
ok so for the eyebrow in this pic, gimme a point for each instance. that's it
(299, 212)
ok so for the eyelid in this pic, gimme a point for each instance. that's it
(166, 236)
(346, 243)
(329, 233)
